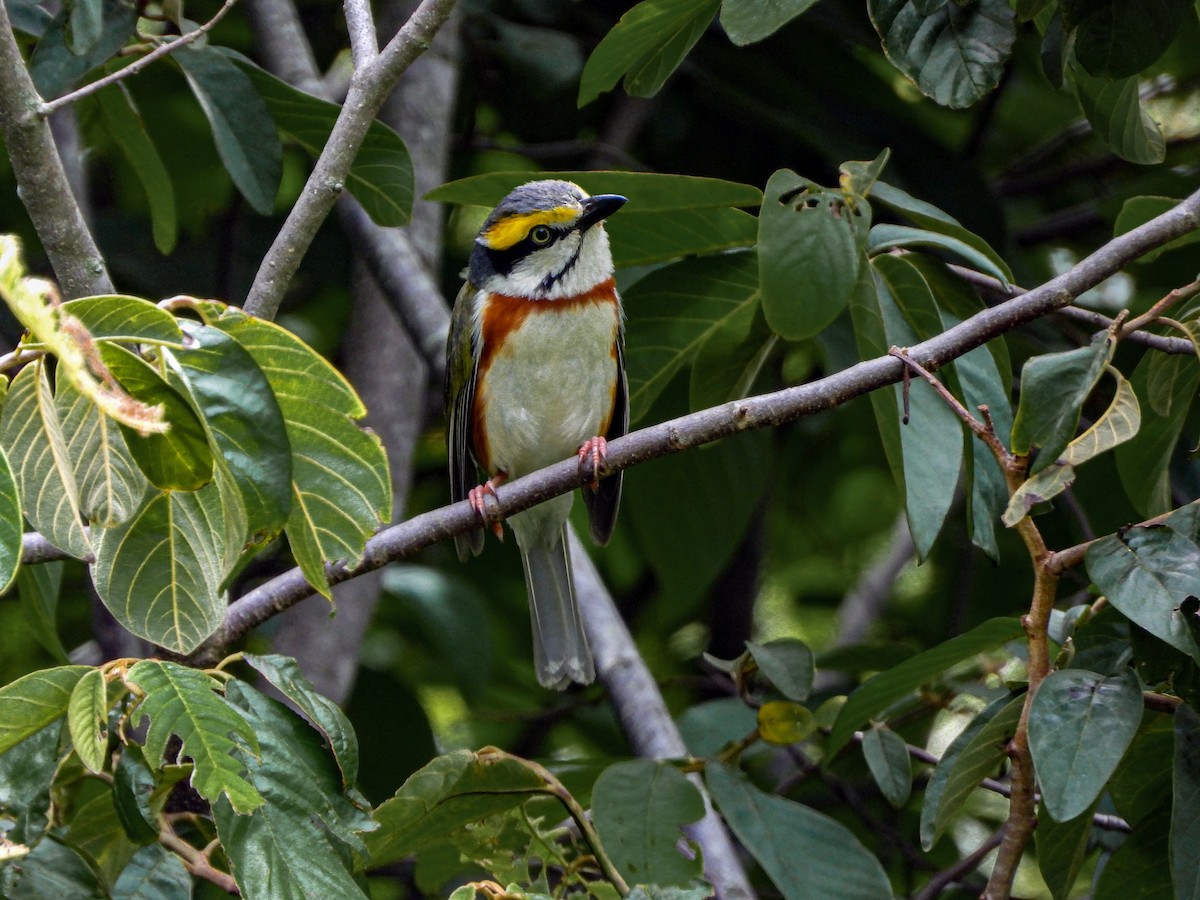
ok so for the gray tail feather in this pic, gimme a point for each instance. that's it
(560, 647)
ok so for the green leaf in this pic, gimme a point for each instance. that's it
(53, 65)
(1043, 486)
(638, 807)
(110, 484)
(1115, 113)
(52, 869)
(1146, 573)
(160, 572)
(931, 443)
(1080, 725)
(1137, 211)
(954, 54)
(1140, 869)
(124, 125)
(120, 317)
(11, 524)
(26, 772)
(1027, 9)
(1166, 384)
(300, 842)
(241, 414)
(931, 218)
(808, 254)
(341, 486)
(183, 702)
(674, 311)
(33, 440)
(154, 873)
(778, 832)
(1061, 849)
(645, 47)
(1185, 807)
(381, 176)
(445, 795)
(180, 459)
(133, 795)
(886, 237)
(87, 719)
(787, 664)
(323, 713)
(647, 191)
(96, 832)
(887, 758)
(728, 363)
(242, 127)
(1143, 782)
(1120, 38)
(33, 701)
(85, 25)
(1053, 389)
(640, 238)
(747, 21)
(782, 722)
(976, 753)
(885, 688)
(39, 587)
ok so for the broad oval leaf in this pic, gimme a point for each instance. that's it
(87, 719)
(728, 363)
(33, 701)
(882, 690)
(11, 524)
(638, 807)
(160, 572)
(747, 21)
(808, 254)
(1185, 808)
(1080, 724)
(645, 47)
(1061, 850)
(124, 125)
(1115, 113)
(884, 237)
(641, 238)
(242, 127)
(674, 310)
(787, 663)
(1147, 574)
(120, 317)
(647, 191)
(891, 767)
(1119, 38)
(110, 484)
(184, 702)
(341, 485)
(32, 436)
(56, 68)
(242, 416)
(777, 832)
(976, 753)
(180, 459)
(953, 52)
(154, 872)
(381, 176)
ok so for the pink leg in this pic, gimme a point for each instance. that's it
(480, 496)
(593, 456)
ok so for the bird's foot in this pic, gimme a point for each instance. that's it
(593, 457)
(481, 496)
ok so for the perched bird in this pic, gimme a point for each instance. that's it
(535, 373)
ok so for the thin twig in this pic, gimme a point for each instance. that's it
(960, 869)
(49, 106)
(1155, 312)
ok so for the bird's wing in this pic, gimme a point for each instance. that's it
(602, 503)
(460, 397)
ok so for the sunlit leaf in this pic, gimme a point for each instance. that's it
(747, 21)
(87, 719)
(782, 722)
(33, 701)
(120, 317)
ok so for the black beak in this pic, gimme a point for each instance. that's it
(598, 208)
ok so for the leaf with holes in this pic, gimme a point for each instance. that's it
(184, 702)
(1080, 724)
(32, 436)
(341, 487)
(953, 52)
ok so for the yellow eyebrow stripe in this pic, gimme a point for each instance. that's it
(508, 231)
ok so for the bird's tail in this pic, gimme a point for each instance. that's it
(560, 648)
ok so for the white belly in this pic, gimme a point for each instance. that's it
(538, 414)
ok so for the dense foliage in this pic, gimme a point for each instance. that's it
(909, 541)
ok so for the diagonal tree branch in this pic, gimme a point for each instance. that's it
(42, 182)
(715, 423)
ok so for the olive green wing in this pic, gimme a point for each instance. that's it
(460, 397)
(602, 503)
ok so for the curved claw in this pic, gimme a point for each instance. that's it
(593, 459)
(479, 497)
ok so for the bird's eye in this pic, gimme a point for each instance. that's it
(540, 235)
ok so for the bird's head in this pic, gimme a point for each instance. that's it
(544, 241)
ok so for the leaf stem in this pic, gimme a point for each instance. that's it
(47, 107)
(197, 861)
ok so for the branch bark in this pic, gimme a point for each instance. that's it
(43, 186)
(715, 423)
